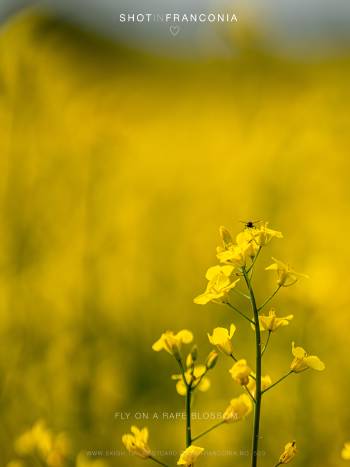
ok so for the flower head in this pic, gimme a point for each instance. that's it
(303, 361)
(136, 442)
(221, 337)
(263, 235)
(219, 285)
(238, 408)
(272, 322)
(212, 360)
(289, 453)
(345, 453)
(190, 455)
(172, 342)
(286, 276)
(240, 372)
(194, 377)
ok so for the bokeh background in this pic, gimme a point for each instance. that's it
(118, 163)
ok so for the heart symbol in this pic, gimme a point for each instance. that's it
(174, 30)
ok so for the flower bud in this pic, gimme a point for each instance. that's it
(212, 359)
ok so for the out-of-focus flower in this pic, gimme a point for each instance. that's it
(240, 372)
(38, 438)
(53, 449)
(226, 237)
(273, 322)
(190, 456)
(288, 454)
(171, 342)
(286, 276)
(238, 408)
(194, 377)
(137, 442)
(265, 383)
(302, 360)
(221, 338)
(219, 285)
(212, 360)
(345, 453)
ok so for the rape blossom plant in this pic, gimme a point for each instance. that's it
(234, 273)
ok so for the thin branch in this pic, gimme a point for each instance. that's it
(239, 312)
(269, 298)
(266, 343)
(157, 461)
(278, 381)
(209, 430)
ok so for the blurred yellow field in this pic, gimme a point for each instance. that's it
(116, 170)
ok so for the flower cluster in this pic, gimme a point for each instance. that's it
(237, 258)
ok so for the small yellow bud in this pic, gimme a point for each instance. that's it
(212, 360)
(289, 453)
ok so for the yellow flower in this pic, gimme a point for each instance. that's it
(286, 276)
(136, 443)
(219, 285)
(194, 377)
(345, 453)
(263, 235)
(172, 342)
(222, 339)
(272, 322)
(302, 360)
(239, 408)
(265, 383)
(288, 454)
(240, 372)
(190, 455)
(38, 438)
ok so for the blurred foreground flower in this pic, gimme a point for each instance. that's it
(194, 377)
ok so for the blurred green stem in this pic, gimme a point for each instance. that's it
(188, 415)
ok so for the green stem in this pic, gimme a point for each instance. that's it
(269, 299)
(252, 265)
(209, 430)
(251, 395)
(266, 344)
(278, 381)
(188, 416)
(157, 461)
(239, 312)
(255, 443)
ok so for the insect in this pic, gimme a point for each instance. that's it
(250, 224)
